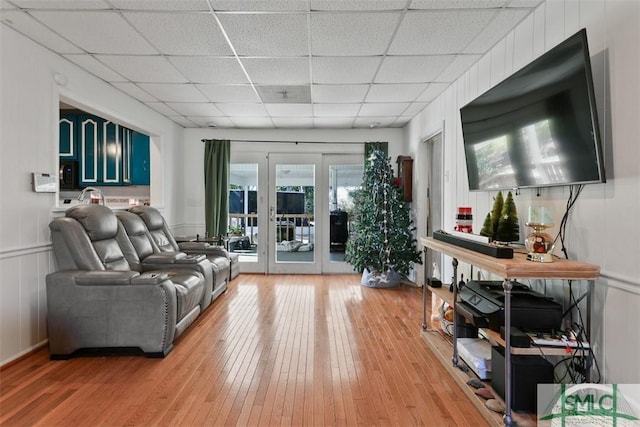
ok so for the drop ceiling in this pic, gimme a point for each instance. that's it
(272, 63)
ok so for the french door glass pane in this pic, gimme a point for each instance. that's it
(343, 179)
(294, 222)
(243, 211)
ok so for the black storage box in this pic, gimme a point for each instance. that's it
(526, 373)
(465, 330)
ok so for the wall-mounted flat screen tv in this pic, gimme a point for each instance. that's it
(538, 127)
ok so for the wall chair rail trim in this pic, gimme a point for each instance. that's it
(25, 250)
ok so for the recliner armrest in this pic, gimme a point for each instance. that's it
(203, 248)
(191, 259)
(103, 277)
(150, 279)
(164, 258)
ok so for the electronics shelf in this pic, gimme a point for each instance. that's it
(509, 269)
(553, 349)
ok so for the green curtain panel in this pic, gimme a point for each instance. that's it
(216, 185)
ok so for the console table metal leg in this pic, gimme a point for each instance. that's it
(454, 283)
(507, 286)
(424, 292)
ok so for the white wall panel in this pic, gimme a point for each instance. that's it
(498, 54)
(508, 53)
(571, 17)
(10, 315)
(539, 30)
(554, 25)
(523, 43)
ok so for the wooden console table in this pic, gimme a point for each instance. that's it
(509, 270)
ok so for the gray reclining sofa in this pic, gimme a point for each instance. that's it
(113, 291)
(227, 262)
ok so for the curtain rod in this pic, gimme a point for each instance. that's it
(292, 142)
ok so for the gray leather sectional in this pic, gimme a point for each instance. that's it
(119, 288)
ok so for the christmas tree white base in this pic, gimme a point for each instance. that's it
(388, 279)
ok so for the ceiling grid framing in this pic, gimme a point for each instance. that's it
(364, 63)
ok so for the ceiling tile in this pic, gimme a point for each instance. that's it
(242, 109)
(383, 109)
(172, 92)
(336, 110)
(438, 32)
(205, 121)
(24, 23)
(339, 93)
(189, 5)
(432, 91)
(401, 121)
(277, 70)
(342, 34)
(134, 90)
(456, 4)
(161, 108)
(289, 110)
(92, 65)
(267, 34)
(224, 70)
(96, 32)
(194, 108)
(181, 33)
(259, 5)
(229, 93)
(460, 64)
(412, 69)
(184, 122)
(415, 108)
(154, 69)
(394, 92)
(373, 122)
(524, 3)
(333, 122)
(293, 122)
(278, 94)
(344, 70)
(358, 4)
(253, 122)
(496, 30)
(62, 4)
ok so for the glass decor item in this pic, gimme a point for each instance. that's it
(539, 244)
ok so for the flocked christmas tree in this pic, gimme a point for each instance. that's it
(501, 224)
(383, 240)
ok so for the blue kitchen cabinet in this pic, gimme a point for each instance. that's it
(90, 134)
(68, 149)
(140, 159)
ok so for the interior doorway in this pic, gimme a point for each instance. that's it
(434, 208)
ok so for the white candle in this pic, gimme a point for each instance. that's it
(540, 215)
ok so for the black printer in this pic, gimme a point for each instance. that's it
(482, 305)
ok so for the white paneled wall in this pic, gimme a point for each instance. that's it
(604, 225)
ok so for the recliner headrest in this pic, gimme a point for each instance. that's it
(132, 223)
(99, 221)
(151, 216)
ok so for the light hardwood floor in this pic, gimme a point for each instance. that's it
(274, 350)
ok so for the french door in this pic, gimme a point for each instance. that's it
(293, 211)
(294, 186)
